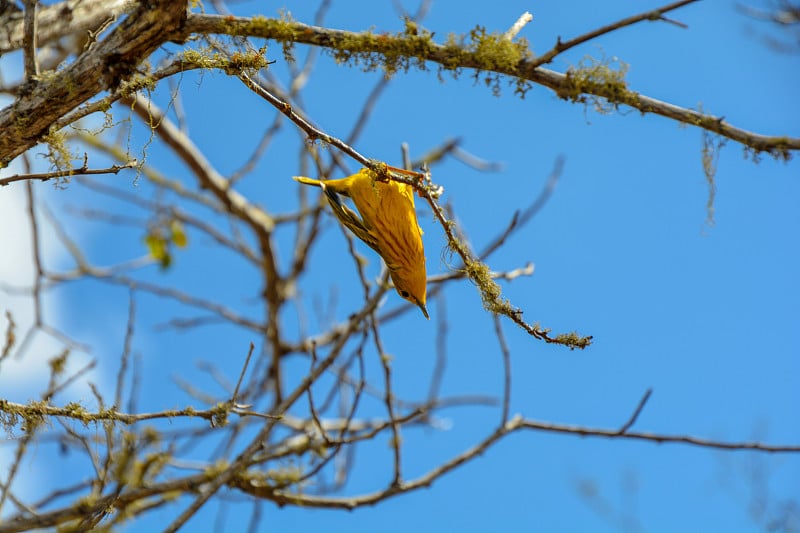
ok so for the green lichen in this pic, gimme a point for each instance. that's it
(136, 83)
(86, 506)
(58, 153)
(285, 476)
(247, 61)
(573, 340)
(107, 416)
(490, 290)
(283, 30)
(124, 459)
(150, 435)
(480, 274)
(393, 52)
(709, 157)
(410, 48)
(390, 52)
(59, 363)
(149, 468)
(600, 83)
(128, 469)
(216, 469)
(9, 418)
(220, 414)
(487, 52)
(34, 415)
(494, 51)
(76, 411)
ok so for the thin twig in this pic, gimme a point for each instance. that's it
(312, 132)
(37, 258)
(10, 337)
(389, 400)
(632, 420)
(83, 171)
(346, 426)
(521, 22)
(519, 220)
(52, 391)
(235, 396)
(126, 347)
(442, 327)
(77, 413)
(311, 406)
(366, 110)
(476, 162)
(506, 354)
(652, 15)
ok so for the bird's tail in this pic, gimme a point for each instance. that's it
(306, 181)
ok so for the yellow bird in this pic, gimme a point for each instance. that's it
(388, 224)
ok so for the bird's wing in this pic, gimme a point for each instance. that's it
(350, 218)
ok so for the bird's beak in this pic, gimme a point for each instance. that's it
(423, 309)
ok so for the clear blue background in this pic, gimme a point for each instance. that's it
(706, 315)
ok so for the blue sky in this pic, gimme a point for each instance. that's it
(705, 315)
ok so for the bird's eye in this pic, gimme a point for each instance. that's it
(404, 294)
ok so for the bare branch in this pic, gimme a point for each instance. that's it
(506, 353)
(30, 44)
(235, 395)
(126, 347)
(652, 15)
(83, 171)
(632, 420)
(521, 22)
(659, 438)
(515, 424)
(59, 20)
(518, 221)
(312, 132)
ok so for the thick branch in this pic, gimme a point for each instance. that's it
(60, 20)
(453, 57)
(103, 67)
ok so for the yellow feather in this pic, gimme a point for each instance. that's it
(388, 224)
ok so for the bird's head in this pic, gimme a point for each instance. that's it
(411, 285)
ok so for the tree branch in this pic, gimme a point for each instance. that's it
(652, 15)
(252, 487)
(109, 63)
(83, 171)
(452, 58)
(30, 45)
(61, 19)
